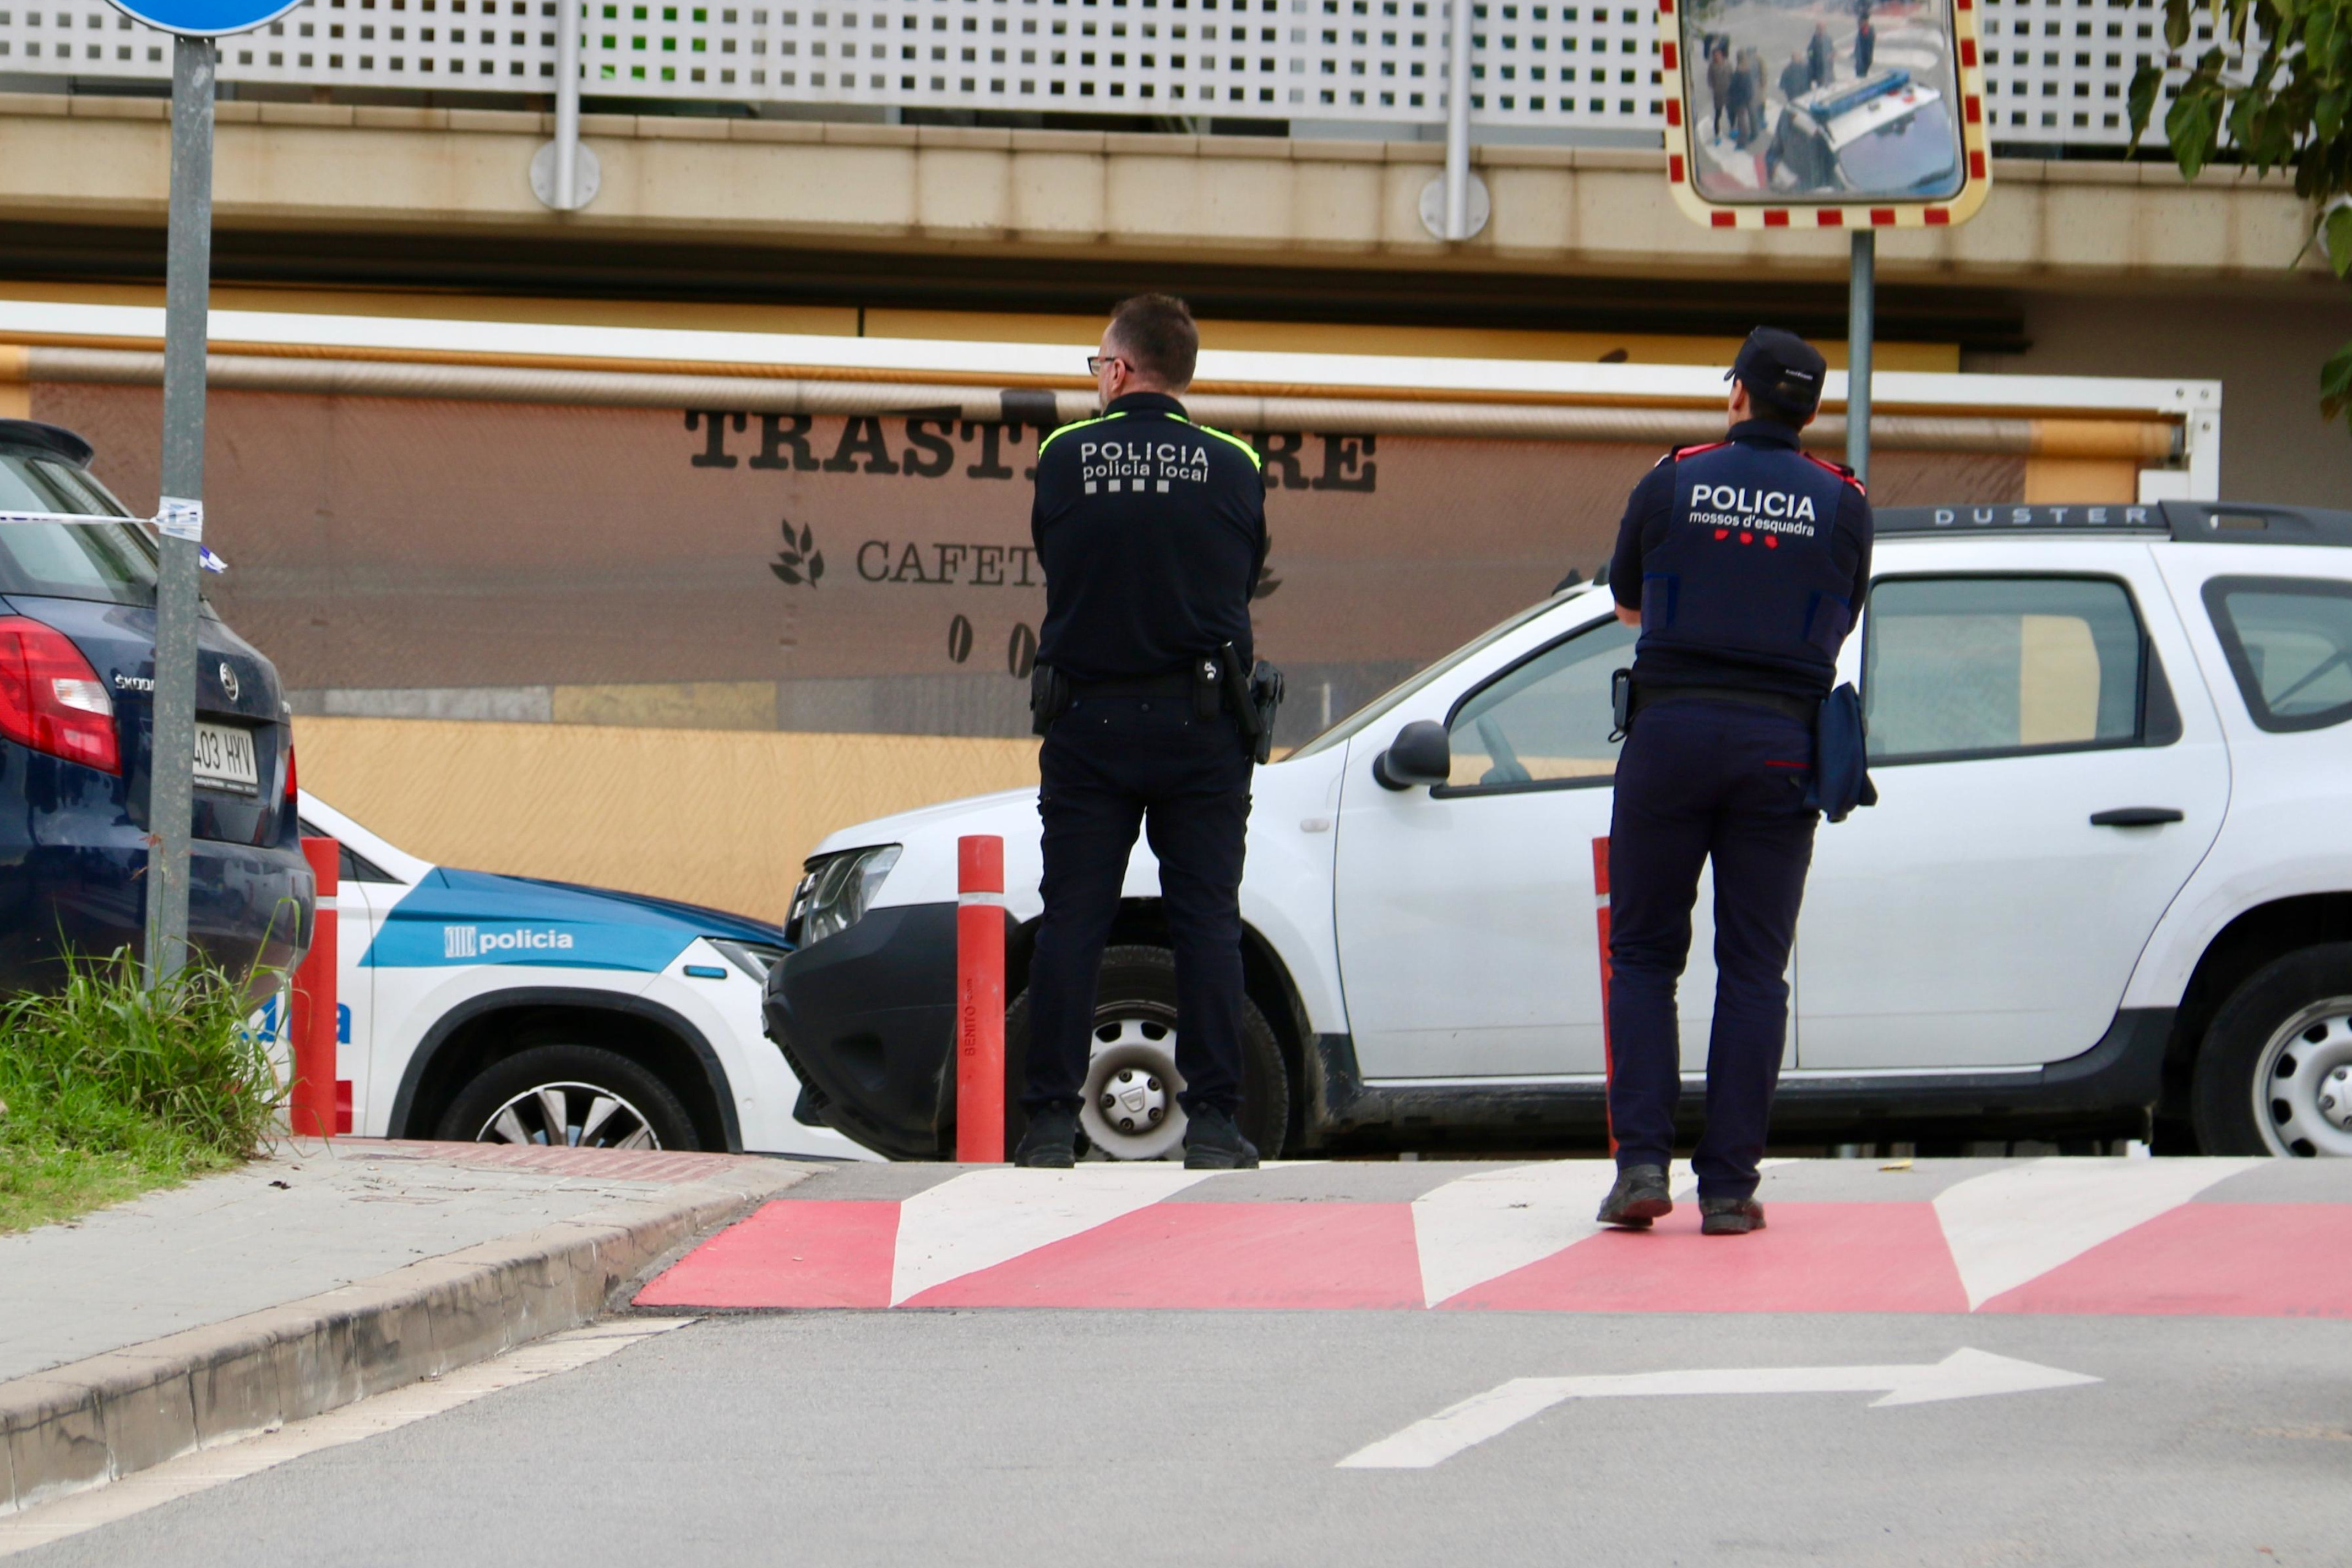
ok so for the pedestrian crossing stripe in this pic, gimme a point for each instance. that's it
(2078, 1237)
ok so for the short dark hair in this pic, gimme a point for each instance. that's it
(1157, 334)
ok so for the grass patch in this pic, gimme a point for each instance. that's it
(42, 1186)
(107, 1090)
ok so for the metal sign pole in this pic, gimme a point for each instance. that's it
(565, 173)
(567, 108)
(171, 761)
(1457, 121)
(1862, 316)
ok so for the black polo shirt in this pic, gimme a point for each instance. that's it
(1151, 531)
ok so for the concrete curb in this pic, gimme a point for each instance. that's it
(95, 1421)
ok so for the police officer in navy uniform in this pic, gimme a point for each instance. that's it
(1151, 532)
(1745, 562)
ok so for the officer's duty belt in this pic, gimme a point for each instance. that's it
(1176, 683)
(1803, 710)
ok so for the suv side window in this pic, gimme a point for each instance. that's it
(2289, 641)
(1544, 723)
(1962, 668)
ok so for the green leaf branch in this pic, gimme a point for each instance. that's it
(2272, 88)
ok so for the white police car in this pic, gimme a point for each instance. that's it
(2109, 883)
(503, 1009)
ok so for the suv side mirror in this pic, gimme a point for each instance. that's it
(1419, 755)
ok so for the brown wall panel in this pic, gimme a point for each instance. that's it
(388, 543)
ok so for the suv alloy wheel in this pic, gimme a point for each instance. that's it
(570, 1096)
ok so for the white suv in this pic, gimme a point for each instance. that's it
(2107, 890)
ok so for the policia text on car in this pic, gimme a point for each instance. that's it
(1745, 562)
(1151, 531)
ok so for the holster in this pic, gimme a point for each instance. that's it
(1049, 697)
(1252, 698)
(1266, 699)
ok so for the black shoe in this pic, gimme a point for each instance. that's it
(1730, 1217)
(1052, 1141)
(1211, 1142)
(1639, 1197)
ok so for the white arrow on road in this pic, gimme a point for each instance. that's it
(1963, 1374)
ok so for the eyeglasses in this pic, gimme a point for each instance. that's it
(1095, 363)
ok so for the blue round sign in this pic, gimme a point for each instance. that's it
(204, 18)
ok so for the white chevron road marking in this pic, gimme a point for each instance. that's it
(2017, 1224)
(1964, 1374)
(987, 1218)
(1483, 1226)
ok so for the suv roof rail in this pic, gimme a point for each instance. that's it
(2254, 522)
(52, 440)
(2216, 522)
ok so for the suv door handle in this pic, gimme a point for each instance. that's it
(2134, 816)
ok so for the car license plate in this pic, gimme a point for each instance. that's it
(225, 759)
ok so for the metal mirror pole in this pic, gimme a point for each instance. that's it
(171, 762)
(1861, 323)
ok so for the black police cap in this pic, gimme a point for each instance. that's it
(1781, 368)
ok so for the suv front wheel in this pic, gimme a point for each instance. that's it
(2275, 1074)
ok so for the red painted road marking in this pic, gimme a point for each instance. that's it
(2225, 1259)
(2256, 1260)
(811, 1252)
(1337, 1255)
(1815, 1258)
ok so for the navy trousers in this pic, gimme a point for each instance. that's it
(1110, 764)
(1699, 781)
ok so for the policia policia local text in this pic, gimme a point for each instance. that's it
(1745, 562)
(1151, 531)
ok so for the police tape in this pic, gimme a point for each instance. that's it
(177, 519)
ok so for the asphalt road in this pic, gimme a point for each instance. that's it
(1190, 1437)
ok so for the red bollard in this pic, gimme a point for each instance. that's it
(310, 1109)
(1601, 922)
(980, 999)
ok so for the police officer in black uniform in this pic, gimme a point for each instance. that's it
(1151, 531)
(1745, 562)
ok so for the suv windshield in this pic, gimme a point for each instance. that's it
(112, 564)
(1410, 684)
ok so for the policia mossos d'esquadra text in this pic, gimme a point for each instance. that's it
(1151, 532)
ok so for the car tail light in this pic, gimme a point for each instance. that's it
(51, 698)
(292, 787)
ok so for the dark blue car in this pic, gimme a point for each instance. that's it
(77, 713)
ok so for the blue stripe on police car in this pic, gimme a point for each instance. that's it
(410, 942)
(453, 917)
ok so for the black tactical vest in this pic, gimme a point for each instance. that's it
(1747, 573)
